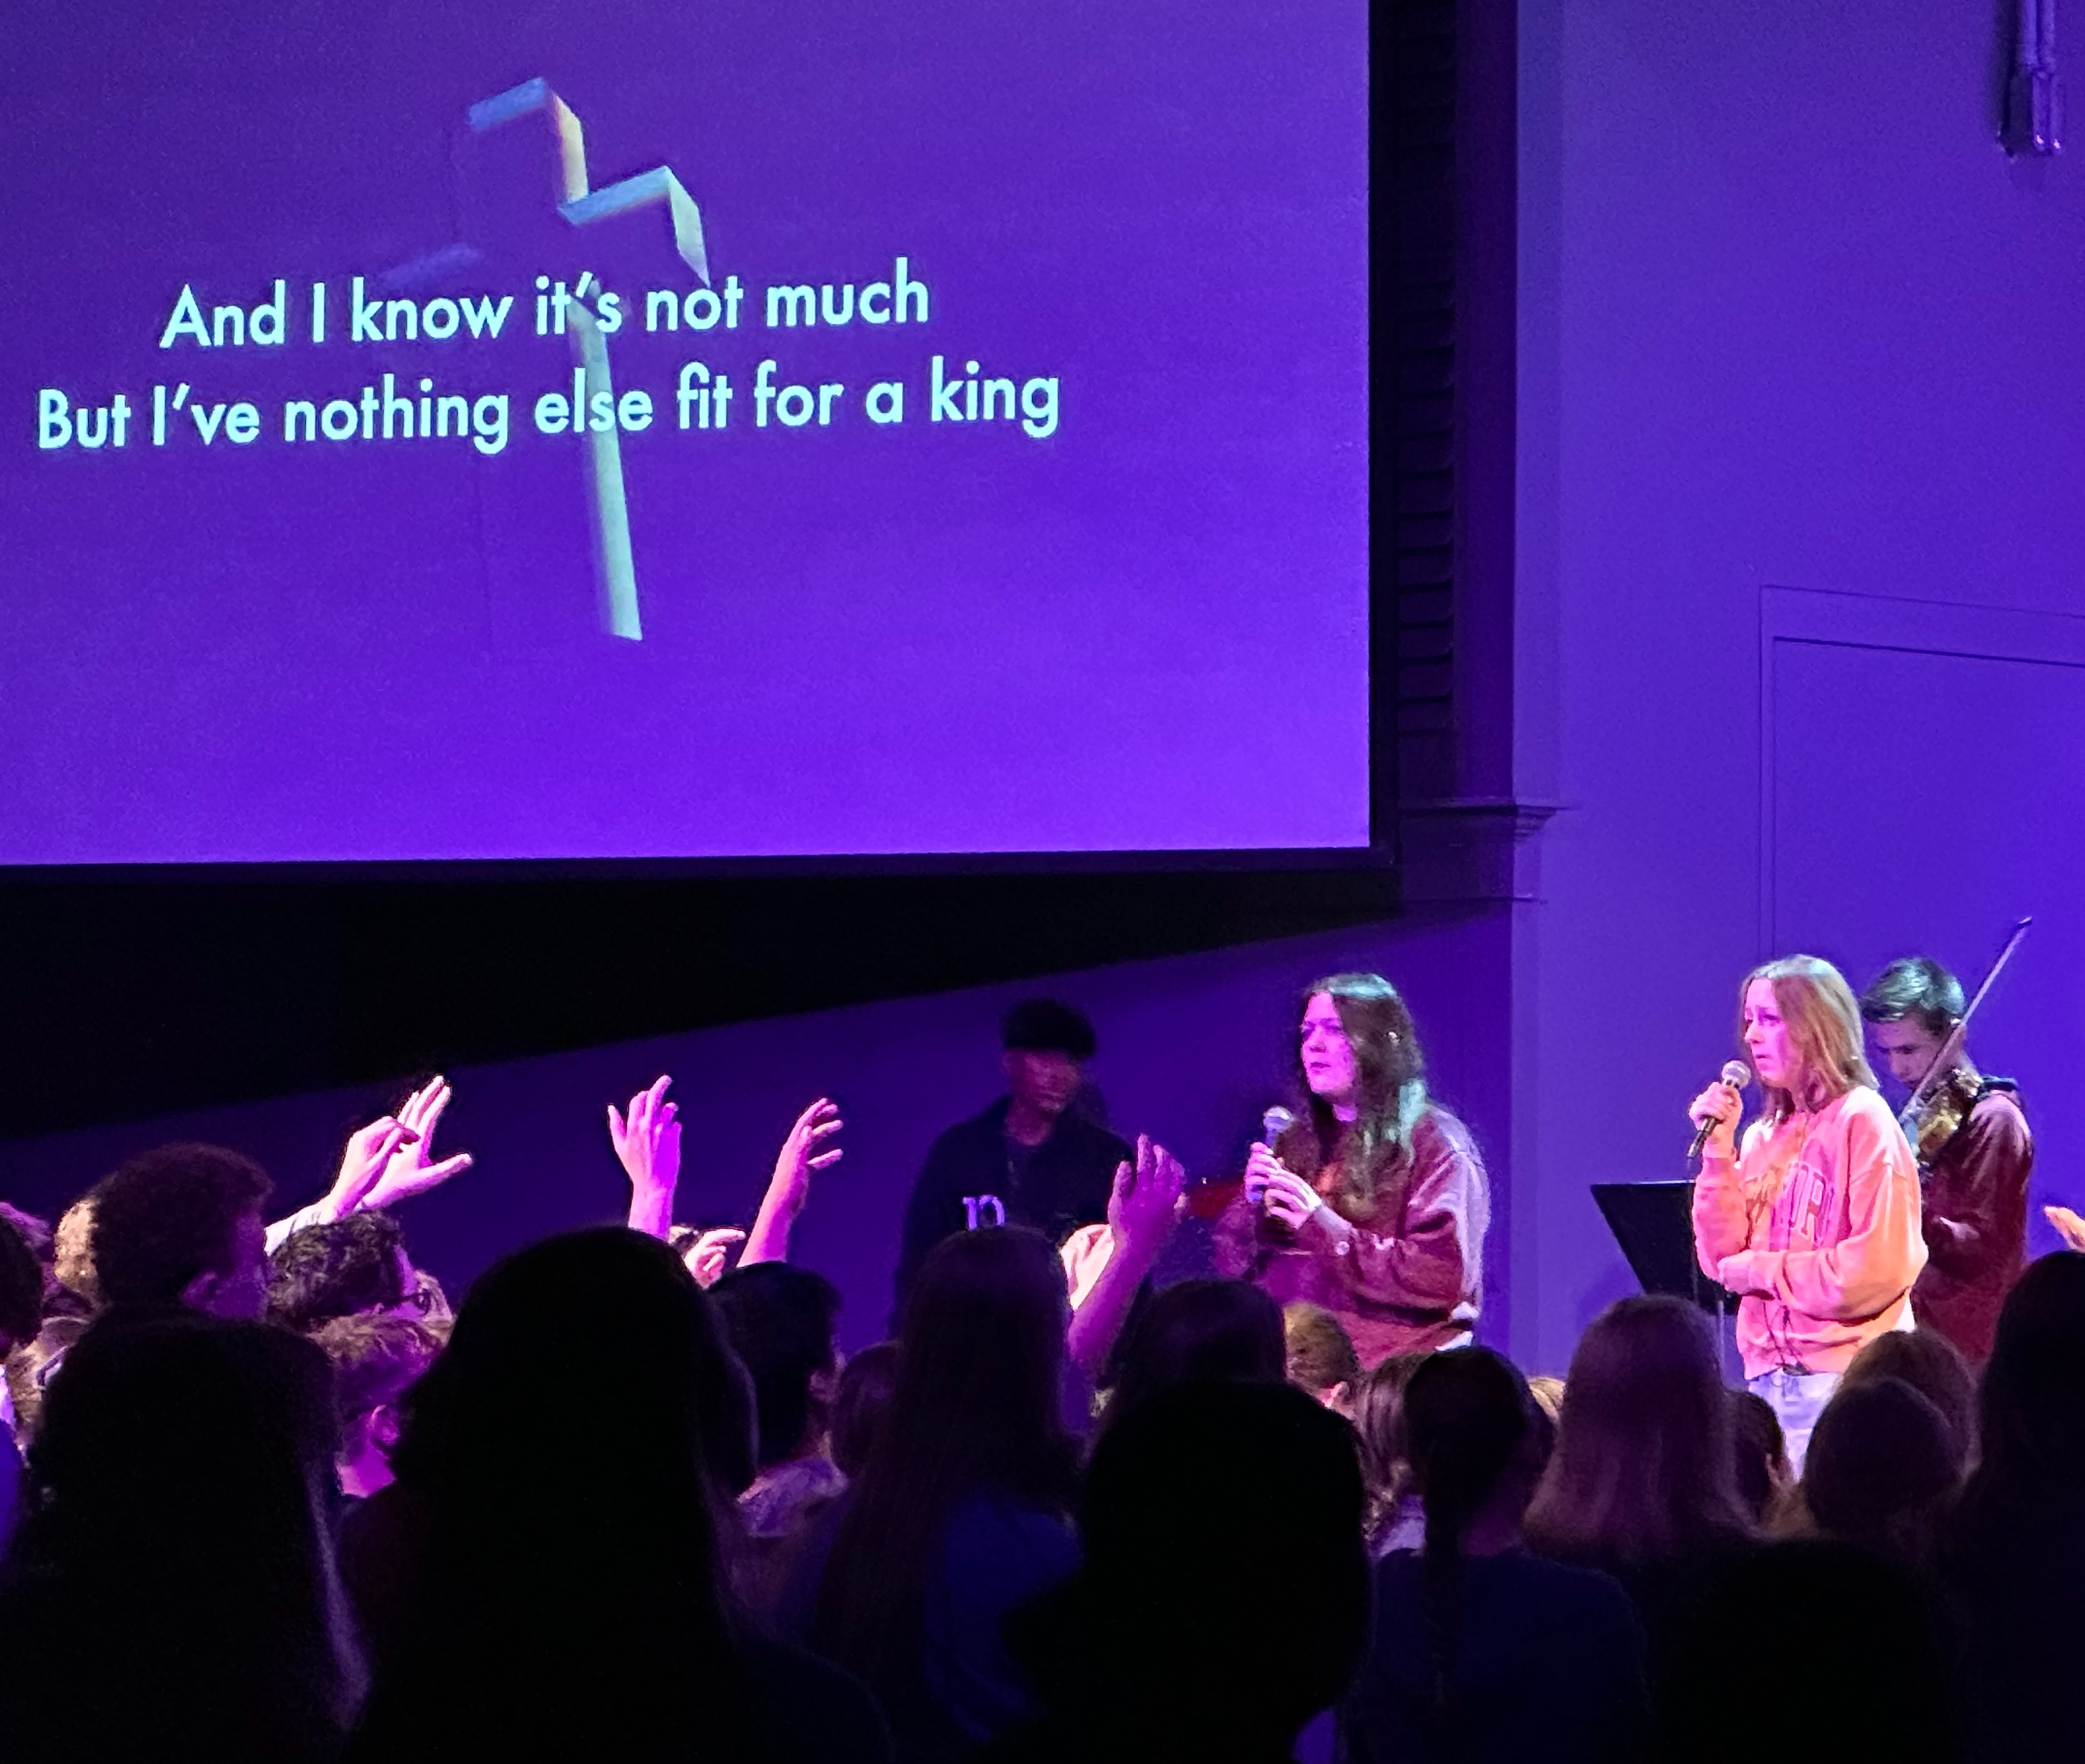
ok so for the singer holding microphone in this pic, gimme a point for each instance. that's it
(1814, 1220)
(1374, 1204)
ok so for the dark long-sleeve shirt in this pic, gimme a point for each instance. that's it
(1975, 1221)
(974, 1175)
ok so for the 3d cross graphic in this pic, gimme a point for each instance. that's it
(583, 206)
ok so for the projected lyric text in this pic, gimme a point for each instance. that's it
(730, 377)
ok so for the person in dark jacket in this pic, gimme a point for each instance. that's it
(1034, 1158)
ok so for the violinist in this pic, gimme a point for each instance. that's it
(1974, 1154)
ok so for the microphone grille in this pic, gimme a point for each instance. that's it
(1275, 1122)
(1736, 1074)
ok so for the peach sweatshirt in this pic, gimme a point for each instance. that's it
(1816, 1228)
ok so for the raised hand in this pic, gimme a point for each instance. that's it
(369, 1149)
(808, 1148)
(706, 1255)
(2069, 1226)
(647, 1145)
(410, 1170)
(1144, 1205)
(1142, 1210)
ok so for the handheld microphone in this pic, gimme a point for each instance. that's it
(1736, 1074)
(1273, 1123)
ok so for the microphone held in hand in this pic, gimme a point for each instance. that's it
(1736, 1074)
(1275, 1122)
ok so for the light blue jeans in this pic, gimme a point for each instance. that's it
(1798, 1397)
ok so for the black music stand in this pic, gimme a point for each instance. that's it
(1653, 1223)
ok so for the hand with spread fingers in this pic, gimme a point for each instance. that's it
(369, 1151)
(411, 1170)
(647, 1145)
(1145, 1204)
(808, 1149)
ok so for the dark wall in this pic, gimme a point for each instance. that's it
(132, 994)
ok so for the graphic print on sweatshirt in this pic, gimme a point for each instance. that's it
(1802, 1209)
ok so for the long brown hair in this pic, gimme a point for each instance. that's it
(1644, 1467)
(1375, 1149)
(1824, 1025)
(976, 1408)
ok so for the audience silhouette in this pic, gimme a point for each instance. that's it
(962, 1512)
(579, 1519)
(1223, 1600)
(566, 1465)
(170, 1591)
(1481, 1651)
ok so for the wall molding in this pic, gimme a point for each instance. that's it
(1836, 618)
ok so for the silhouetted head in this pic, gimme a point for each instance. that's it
(566, 1447)
(862, 1405)
(977, 1409)
(1884, 1695)
(984, 1340)
(1760, 1452)
(779, 1321)
(1198, 1330)
(1472, 1436)
(1643, 1466)
(2033, 1411)
(171, 1590)
(1934, 1367)
(1882, 1464)
(599, 1336)
(1379, 1423)
(183, 1225)
(1216, 1518)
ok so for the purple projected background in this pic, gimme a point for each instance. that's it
(1132, 615)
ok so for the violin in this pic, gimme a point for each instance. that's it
(1947, 1106)
(1941, 1101)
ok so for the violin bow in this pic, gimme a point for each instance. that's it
(1943, 1060)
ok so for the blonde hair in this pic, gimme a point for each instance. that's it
(1549, 1395)
(1320, 1353)
(1823, 1024)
